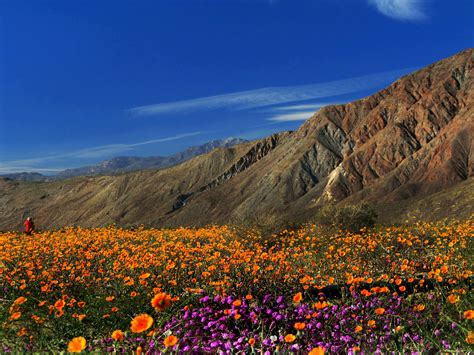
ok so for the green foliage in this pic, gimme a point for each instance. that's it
(352, 217)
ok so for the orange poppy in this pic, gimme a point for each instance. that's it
(161, 301)
(118, 335)
(141, 323)
(59, 304)
(470, 337)
(300, 326)
(469, 314)
(380, 311)
(76, 345)
(170, 341)
(453, 298)
(15, 315)
(20, 300)
(298, 297)
(317, 351)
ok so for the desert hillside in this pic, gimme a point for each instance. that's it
(411, 143)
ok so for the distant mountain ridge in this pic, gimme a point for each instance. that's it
(408, 150)
(123, 164)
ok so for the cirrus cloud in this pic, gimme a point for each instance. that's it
(400, 9)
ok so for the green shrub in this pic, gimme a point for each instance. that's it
(352, 217)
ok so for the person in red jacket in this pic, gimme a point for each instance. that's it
(29, 226)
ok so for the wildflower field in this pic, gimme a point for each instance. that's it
(223, 289)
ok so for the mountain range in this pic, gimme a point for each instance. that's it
(407, 150)
(122, 164)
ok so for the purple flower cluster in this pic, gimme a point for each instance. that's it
(227, 324)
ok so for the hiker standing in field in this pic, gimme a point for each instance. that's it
(29, 226)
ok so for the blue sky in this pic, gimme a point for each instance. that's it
(82, 81)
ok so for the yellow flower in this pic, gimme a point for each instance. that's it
(76, 345)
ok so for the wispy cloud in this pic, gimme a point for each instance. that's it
(295, 112)
(296, 116)
(302, 107)
(103, 151)
(271, 95)
(401, 9)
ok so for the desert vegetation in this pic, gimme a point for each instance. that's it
(228, 289)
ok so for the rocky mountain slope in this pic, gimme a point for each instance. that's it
(398, 147)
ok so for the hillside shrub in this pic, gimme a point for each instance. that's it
(351, 217)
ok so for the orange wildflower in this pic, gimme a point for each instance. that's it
(76, 345)
(15, 315)
(358, 329)
(20, 300)
(317, 351)
(469, 314)
(321, 305)
(470, 337)
(170, 341)
(380, 311)
(252, 341)
(237, 303)
(419, 308)
(59, 304)
(452, 298)
(141, 323)
(300, 326)
(289, 338)
(118, 335)
(298, 297)
(161, 301)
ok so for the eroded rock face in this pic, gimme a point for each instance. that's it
(409, 141)
(419, 130)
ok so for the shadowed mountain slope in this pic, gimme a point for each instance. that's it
(404, 143)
